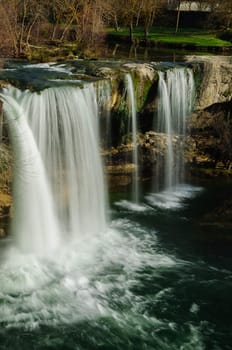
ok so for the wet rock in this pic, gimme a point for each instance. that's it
(5, 205)
(215, 85)
(2, 233)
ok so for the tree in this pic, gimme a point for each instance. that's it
(55, 15)
(149, 10)
(111, 12)
(79, 20)
(178, 15)
(129, 12)
(221, 12)
(89, 22)
(18, 18)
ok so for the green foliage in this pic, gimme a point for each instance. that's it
(142, 88)
(119, 123)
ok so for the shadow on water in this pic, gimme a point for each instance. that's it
(136, 52)
(184, 219)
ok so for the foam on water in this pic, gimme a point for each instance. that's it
(82, 283)
(173, 198)
(62, 68)
(98, 282)
(132, 206)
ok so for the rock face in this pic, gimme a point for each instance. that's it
(215, 79)
(144, 76)
(145, 82)
(210, 128)
(209, 141)
(5, 181)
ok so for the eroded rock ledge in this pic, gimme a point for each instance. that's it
(210, 128)
(215, 79)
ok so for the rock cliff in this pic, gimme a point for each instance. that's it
(210, 128)
(215, 79)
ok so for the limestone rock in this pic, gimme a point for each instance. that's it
(216, 81)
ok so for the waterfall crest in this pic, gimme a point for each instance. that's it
(56, 134)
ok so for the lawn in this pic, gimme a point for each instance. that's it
(184, 37)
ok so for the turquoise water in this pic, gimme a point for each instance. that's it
(156, 279)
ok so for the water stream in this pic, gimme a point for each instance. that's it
(175, 102)
(55, 138)
(133, 115)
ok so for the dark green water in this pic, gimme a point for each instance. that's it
(157, 279)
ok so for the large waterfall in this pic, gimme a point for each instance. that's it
(59, 187)
(175, 101)
(59, 183)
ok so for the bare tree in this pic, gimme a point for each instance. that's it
(149, 11)
(129, 13)
(221, 12)
(18, 19)
(112, 12)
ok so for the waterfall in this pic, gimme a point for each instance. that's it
(56, 141)
(175, 102)
(133, 115)
(35, 224)
(103, 88)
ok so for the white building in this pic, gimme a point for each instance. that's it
(188, 5)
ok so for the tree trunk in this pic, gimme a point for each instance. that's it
(116, 23)
(131, 32)
(178, 16)
(29, 29)
(138, 17)
(66, 29)
(22, 28)
(54, 32)
(228, 25)
(146, 32)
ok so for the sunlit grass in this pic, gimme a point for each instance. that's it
(194, 37)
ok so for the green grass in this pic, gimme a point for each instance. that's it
(184, 37)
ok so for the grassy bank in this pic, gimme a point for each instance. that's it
(185, 38)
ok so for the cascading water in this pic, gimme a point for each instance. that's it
(34, 224)
(133, 115)
(104, 99)
(55, 134)
(164, 124)
(175, 101)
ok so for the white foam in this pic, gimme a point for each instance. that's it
(173, 198)
(82, 281)
(62, 68)
(132, 206)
